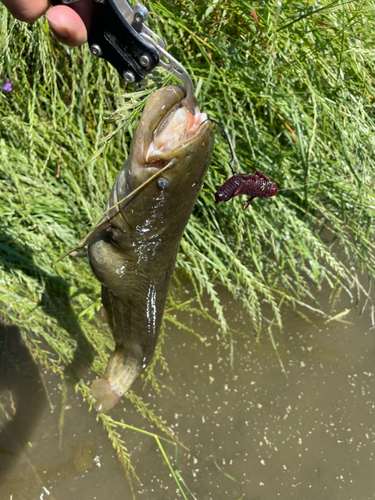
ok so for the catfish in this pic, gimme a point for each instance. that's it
(134, 251)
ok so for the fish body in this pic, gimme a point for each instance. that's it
(134, 255)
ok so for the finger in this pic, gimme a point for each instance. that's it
(26, 10)
(67, 26)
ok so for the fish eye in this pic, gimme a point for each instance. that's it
(162, 183)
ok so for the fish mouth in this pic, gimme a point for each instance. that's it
(176, 128)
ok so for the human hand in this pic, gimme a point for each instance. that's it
(65, 23)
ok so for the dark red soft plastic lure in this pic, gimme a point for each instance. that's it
(257, 185)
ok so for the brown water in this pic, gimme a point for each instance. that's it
(308, 436)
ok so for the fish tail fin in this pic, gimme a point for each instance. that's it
(122, 370)
(105, 396)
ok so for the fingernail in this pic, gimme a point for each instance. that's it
(57, 28)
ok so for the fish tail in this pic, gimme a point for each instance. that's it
(105, 396)
(122, 370)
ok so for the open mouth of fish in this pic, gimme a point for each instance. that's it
(175, 130)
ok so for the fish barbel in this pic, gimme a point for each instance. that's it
(134, 254)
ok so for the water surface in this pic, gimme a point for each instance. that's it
(308, 436)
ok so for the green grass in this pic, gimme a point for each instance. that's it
(295, 93)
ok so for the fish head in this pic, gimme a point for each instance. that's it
(167, 132)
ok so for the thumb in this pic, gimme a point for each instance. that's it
(66, 25)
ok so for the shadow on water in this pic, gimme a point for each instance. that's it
(19, 378)
(55, 299)
(19, 375)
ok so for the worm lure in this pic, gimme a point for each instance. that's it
(257, 185)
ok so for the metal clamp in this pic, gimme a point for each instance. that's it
(118, 34)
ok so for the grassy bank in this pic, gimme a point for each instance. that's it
(292, 84)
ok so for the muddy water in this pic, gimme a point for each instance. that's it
(251, 432)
